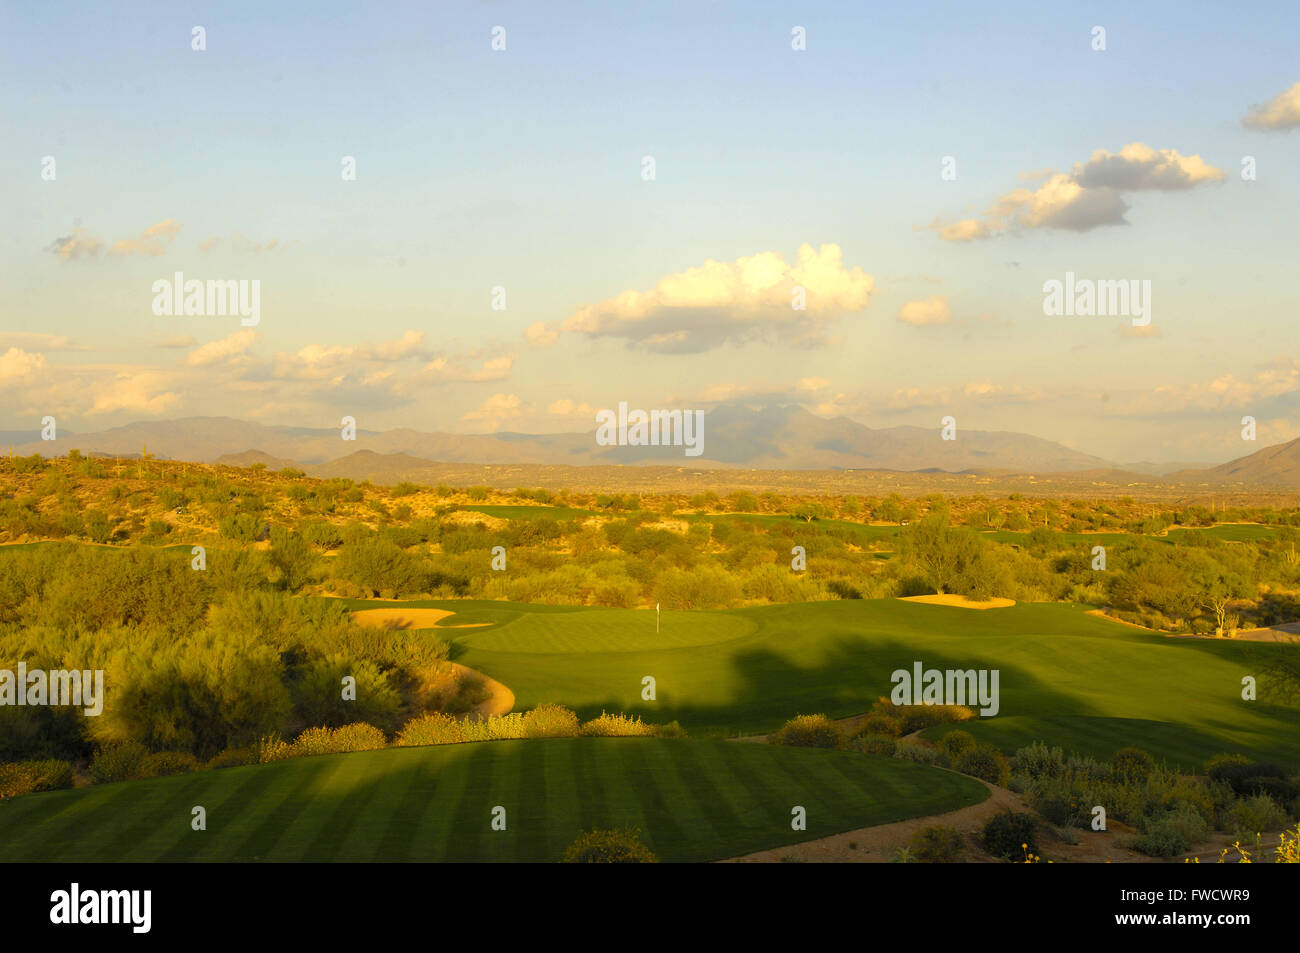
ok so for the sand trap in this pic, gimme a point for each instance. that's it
(962, 602)
(500, 702)
(409, 619)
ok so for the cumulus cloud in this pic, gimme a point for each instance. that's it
(1280, 379)
(445, 370)
(20, 367)
(496, 410)
(1280, 112)
(1089, 196)
(564, 407)
(539, 334)
(931, 310)
(228, 350)
(316, 362)
(731, 302)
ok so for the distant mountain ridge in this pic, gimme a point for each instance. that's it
(780, 437)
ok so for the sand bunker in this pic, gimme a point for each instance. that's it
(963, 602)
(500, 702)
(399, 618)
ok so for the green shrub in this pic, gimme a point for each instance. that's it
(1037, 760)
(921, 754)
(358, 736)
(986, 763)
(956, 743)
(935, 845)
(878, 723)
(617, 726)
(314, 741)
(163, 763)
(1131, 764)
(431, 729)
(808, 731)
(233, 757)
(1010, 836)
(609, 847)
(1255, 815)
(673, 729)
(874, 744)
(550, 721)
(28, 777)
(121, 762)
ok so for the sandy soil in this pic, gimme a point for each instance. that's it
(500, 702)
(401, 618)
(964, 602)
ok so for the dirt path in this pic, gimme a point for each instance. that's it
(880, 843)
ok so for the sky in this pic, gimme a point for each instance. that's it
(504, 260)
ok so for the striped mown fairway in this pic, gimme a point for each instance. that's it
(692, 800)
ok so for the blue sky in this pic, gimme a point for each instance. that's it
(523, 168)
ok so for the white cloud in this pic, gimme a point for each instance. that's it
(496, 410)
(225, 350)
(931, 310)
(1280, 112)
(732, 302)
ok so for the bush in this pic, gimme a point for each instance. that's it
(163, 763)
(1255, 815)
(358, 736)
(550, 721)
(878, 723)
(1036, 761)
(956, 743)
(609, 847)
(617, 726)
(921, 754)
(1131, 764)
(494, 727)
(1010, 836)
(1245, 776)
(986, 763)
(808, 731)
(431, 729)
(233, 758)
(673, 729)
(874, 744)
(118, 762)
(935, 845)
(28, 777)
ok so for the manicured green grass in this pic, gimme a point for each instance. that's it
(1066, 677)
(692, 800)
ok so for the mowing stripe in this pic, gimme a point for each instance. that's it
(148, 814)
(532, 802)
(255, 780)
(657, 806)
(311, 835)
(465, 821)
(593, 805)
(282, 807)
(402, 828)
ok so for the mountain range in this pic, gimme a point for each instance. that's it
(777, 437)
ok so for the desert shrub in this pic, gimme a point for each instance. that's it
(273, 748)
(233, 758)
(935, 845)
(120, 762)
(673, 729)
(1062, 809)
(434, 728)
(808, 731)
(550, 721)
(878, 723)
(1010, 835)
(1245, 777)
(28, 777)
(358, 736)
(314, 741)
(494, 727)
(874, 744)
(956, 742)
(1131, 764)
(921, 754)
(160, 764)
(986, 763)
(1192, 794)
(617, 726)
(1212, 765)
(1255, 815)
(1036, 760)
(609, 847)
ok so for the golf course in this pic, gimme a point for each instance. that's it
(1087, 684)
(691, 800)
